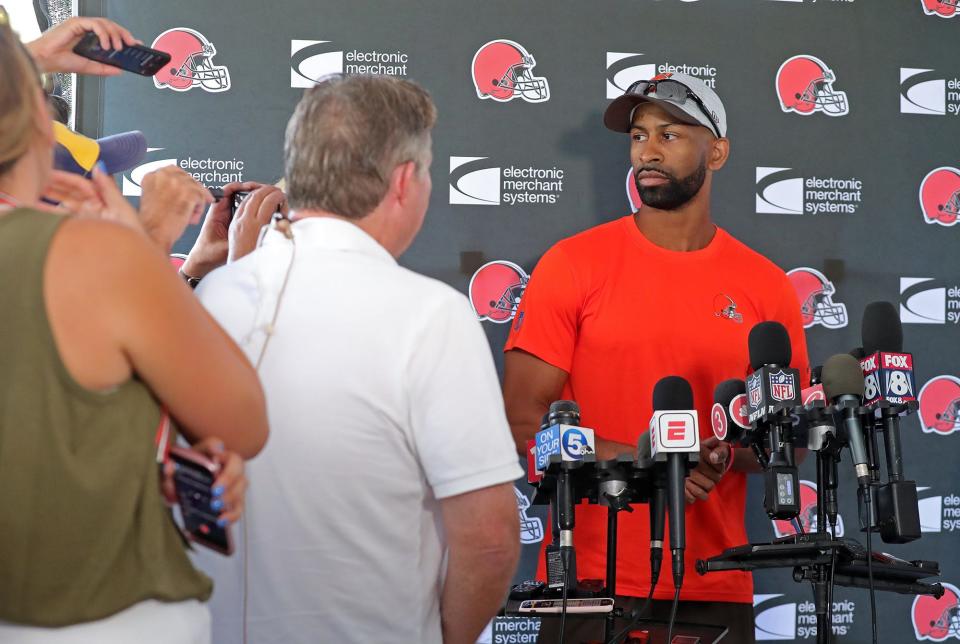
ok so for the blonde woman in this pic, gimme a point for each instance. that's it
(96, 334)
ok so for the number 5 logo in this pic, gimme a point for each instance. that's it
(573, 443)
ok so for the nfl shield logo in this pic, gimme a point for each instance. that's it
(756, 394)
(781, 386)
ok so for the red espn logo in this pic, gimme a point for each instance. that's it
(676, 430)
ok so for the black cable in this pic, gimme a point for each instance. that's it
(564, 556)
(673, 614)
(873, 599)
(833, 565)
(636, 617)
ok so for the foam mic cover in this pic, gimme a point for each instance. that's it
(564, 411)
(728, 390)
(672, 392)
(769, 343)
(881, 329)
(858, 353)
(842, 376)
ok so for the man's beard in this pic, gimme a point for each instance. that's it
(674, 193)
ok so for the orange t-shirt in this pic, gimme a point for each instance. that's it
(617, 313)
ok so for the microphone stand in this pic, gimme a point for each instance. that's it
(813, 556)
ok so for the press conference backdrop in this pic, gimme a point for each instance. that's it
(844, 119)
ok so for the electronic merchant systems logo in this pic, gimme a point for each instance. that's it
(938, 513)
(925, 91)
(928, 300)
(211, 172)
(479, 181)
(624, 69)
(778, 619)
(784, 191)
(312, 60)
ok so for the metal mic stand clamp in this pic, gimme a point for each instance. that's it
(619, 483)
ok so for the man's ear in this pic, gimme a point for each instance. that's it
(401, 181)
(719, 153)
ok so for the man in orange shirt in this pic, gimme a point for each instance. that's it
(611, 310)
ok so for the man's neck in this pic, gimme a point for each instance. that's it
(369, 224)
(688, 228)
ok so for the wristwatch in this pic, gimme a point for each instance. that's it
(191, 281)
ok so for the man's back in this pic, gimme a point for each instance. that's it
(382, 399)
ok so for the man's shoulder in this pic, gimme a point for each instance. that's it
(609, 232)
(753, 262)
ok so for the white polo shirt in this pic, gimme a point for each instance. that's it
(382, 398)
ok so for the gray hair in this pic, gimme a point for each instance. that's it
(347, 135)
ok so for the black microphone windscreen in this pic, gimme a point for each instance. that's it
(842, 375)
(858, 353)
(728, 390)
(881, 329)
(564, 410)
(769, 343)
(672, 392)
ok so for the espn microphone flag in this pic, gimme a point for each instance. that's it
(674, 432)
(571, 442)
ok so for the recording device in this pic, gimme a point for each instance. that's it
(675, 440)
(773, 392)
(238, 198)
(889, 385)
(193, 480)
(138, 59)
(729, 417)
(563, 437)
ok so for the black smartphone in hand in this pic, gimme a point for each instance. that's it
(193, 479)
(132, 58)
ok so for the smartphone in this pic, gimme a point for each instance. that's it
(238, 198)
(193, 479)
(132, 58)
(593, 605)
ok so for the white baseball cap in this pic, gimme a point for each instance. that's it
(686, 97)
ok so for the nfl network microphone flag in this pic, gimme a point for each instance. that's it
(674, 432)
(571, 442)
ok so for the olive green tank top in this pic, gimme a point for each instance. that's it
(84, 531)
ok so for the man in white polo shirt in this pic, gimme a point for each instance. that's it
(382, 508)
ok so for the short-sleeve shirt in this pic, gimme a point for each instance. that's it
(617, 313)
(383, 399)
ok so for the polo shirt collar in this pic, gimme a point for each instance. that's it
(331, 233)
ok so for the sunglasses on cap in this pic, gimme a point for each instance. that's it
(673, 91)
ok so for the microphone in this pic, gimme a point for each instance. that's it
(889, 371)
(563, 436)
(657, 506)
(728, 416)
(571, 442)
(773, 392)
(675, 439)
(843, 385)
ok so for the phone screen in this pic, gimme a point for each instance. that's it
(133, 58)
(194, 484)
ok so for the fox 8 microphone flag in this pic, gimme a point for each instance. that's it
(844, 172)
